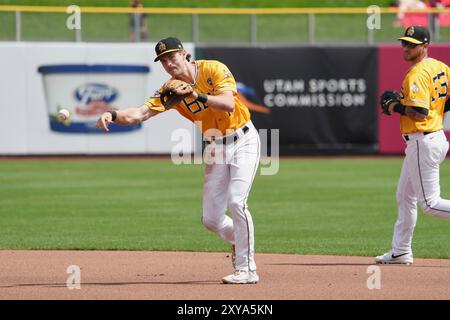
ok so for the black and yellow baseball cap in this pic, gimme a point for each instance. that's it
(416, 35)
(167, 45)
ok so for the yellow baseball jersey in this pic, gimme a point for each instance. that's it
(426, 86)
(213, 78)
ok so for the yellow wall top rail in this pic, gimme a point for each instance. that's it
(54, 9)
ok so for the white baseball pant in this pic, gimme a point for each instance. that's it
(227, 183)
(419, 183)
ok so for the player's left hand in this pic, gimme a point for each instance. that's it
(173, 91)
(387, 101)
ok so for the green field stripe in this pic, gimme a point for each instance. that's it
(332, 206)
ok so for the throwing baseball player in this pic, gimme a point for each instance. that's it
(421, 105)
(205, 92)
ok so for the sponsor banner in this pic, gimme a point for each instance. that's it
(392, 70)
(87, 91)
(322, 99)
(39, 78)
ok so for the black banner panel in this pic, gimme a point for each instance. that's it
(322, 99)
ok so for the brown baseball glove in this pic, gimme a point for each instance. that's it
(173, 91)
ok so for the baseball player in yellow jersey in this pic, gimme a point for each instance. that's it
(421, 104)
(225, 123)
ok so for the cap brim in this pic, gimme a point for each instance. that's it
(172, 50)
(409, 39)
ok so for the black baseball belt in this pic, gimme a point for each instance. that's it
(407, 138)
(230, 138)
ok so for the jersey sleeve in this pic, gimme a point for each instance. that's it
(222, 78)
(154, 102)
(416, 91)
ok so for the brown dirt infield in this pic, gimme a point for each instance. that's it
(197, 276)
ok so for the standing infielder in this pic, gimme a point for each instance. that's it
(422, 104)
(205, 92)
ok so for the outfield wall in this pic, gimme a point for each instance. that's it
(86, 78)
(324, 100)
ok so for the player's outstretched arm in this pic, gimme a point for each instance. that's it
(125, 117)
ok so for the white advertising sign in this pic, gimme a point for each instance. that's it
(86, 79)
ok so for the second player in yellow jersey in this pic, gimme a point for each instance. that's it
(421, 106)
(425, 86)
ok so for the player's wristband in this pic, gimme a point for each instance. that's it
(113, 114)
(202, 97)
(399, 108)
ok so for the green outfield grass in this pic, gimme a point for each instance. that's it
(213, 29)
(312, 206)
